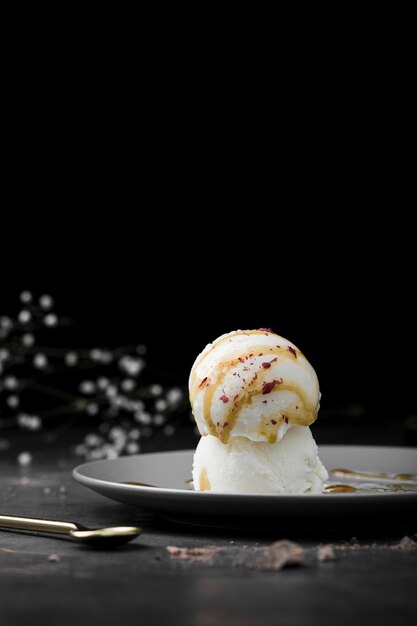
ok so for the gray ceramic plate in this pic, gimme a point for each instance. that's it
(172, 494)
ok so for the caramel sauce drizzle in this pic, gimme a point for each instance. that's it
(303, 416)
(209, 392)
(229, 338)
(372, 481)
(373, 475)
(339, 489)
(380, 483)
(379, 487)
(204, 481)
(129, 482)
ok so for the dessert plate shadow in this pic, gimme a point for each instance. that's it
(163, 485)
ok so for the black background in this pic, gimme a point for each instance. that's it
(169, 178)
(171, 193)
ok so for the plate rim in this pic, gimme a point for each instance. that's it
(88, 481)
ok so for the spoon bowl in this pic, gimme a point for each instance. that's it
(106, 537)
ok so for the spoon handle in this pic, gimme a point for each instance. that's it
(41, 525)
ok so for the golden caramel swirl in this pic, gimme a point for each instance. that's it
(254, 384)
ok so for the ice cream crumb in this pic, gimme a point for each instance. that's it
(406, 544)
(274, 557)
(202, 555)
(279, 555)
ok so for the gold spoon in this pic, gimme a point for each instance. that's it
(97, 538)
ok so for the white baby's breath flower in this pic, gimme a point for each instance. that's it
(110, 452)
(132, 447)
(30, 422)
(50, 320)
(80, 449)
(10, 383)
(87, 387)
(94, 454)
(6, 322)
(161, 404)
(24, 316)
(28, 340)
(102, 383)
(138, 405)
(34, 422)
(169, 430)
(101, 356)
(128, 384)
(40, 361)
(46, 302)
(106, 357)
(13, 402)
(173, 396)
(118, 436)
(22, 419)
(71, 359)
(4, 354)
(92, 440)
(91, 408)
(143, 417)
(111, 391)
(25, 297)
(131, 365)
(117, 433)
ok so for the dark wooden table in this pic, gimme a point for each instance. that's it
(44, 580)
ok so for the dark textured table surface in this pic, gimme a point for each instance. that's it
(48, 580)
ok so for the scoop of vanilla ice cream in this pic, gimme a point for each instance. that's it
(252, 384)
(291, 465)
